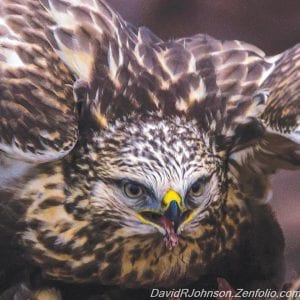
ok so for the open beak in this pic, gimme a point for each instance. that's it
(173, 214)
(169, 218)
(171, 204)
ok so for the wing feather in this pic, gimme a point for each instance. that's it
(107, 53)
(38, 121)
(258, 124)
(225, 85)
(239, 67)
(282, 114)
(279, 146)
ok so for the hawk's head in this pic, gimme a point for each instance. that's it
(156, 176)
(155, 193)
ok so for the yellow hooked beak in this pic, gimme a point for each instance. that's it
(169, 197)
(172, 210)
(171, 205)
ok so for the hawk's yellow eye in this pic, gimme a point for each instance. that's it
(197, 188)
(133, 190)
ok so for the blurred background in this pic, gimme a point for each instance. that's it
(272, 25)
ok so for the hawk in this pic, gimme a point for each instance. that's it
(132, 162)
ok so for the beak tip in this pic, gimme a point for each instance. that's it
(173, 213)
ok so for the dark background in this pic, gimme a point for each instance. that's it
(272, 25)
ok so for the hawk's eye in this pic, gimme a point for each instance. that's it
(197, 188)
(133, 190)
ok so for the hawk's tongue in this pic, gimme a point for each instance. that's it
(171, 237)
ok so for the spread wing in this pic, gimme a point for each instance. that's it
(282, 113)
(258, 124)
(232, 89)
(233, 68)
(124, 69)
(261, 116)
(279, 148)
(38, 120)
(118, 69)
(279, 145)
(113, 61)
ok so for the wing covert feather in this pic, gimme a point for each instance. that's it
(38, 119)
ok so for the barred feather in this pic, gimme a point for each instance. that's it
(231, 88)
(37, 108)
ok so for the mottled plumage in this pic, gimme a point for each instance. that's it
(135, 162)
